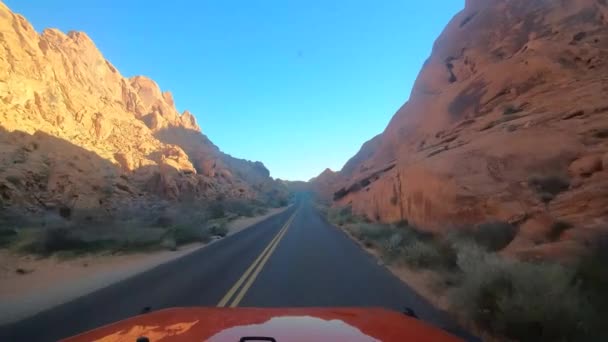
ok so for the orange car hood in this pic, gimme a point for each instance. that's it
(297, 324)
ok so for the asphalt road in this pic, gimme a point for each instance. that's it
(294, 259)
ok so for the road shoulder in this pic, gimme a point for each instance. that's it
(29, 285)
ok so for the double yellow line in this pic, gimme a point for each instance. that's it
(255, 269)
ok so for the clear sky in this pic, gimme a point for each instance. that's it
(296, 84)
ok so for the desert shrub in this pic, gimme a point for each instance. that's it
(133, 230)
(593, 276)
(65, 212)
(421, 254)
(557, 229)
(341, 215)
(49, 240)
(169, 243)
(216, 210)
(380, 236)
(218, 230)
(7, 236)
(393, 244)
(404, 223)
(240, 207)
(260, 211)
(323, 209)
(520, 300)
(127, 237)
(406, 245)
(277, 202)
(421, 250)
(493, 236)
(164, 221)
(187, 233)
(123, 237)
(377, 234)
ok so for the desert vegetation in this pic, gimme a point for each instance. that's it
(503, 297)
(73, 232)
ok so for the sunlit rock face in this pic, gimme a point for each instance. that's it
(508, 120)
(75, 133)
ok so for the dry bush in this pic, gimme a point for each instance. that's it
(520, 300)
(405, 245)
(493, 236)
(342, 215)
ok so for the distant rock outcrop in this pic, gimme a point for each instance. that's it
(323, 184)
(507, 120)
(75, 133)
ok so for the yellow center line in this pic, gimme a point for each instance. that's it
(245, 288)
(238, 284)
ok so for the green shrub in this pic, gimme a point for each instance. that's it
(404, 223)
(520, 300)
(240, 207)
(50, 240)
(218, 230)
(593, 276)
(323, 209)
(7, 236)
(376, 234)
(341, 215)
(405, 245)
(420, 254)
(216, 210)
(126, 237)
(493, 236)
(187, 233)
(169, 243)
(393, 244)
(260, 211)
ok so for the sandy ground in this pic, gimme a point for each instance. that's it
(49, 282)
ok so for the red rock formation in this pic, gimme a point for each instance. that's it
(75, 133)
(507, 120)
(323, 184)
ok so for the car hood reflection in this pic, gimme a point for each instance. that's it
(282, 329)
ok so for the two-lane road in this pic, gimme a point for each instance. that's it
(294, 259)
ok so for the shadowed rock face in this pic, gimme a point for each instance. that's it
(75, 133)
(511, 102)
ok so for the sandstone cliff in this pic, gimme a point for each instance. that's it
(507, 120)
(76, 134)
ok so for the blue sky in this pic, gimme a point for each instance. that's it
(298, 85)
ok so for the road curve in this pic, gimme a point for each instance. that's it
(293, 259)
